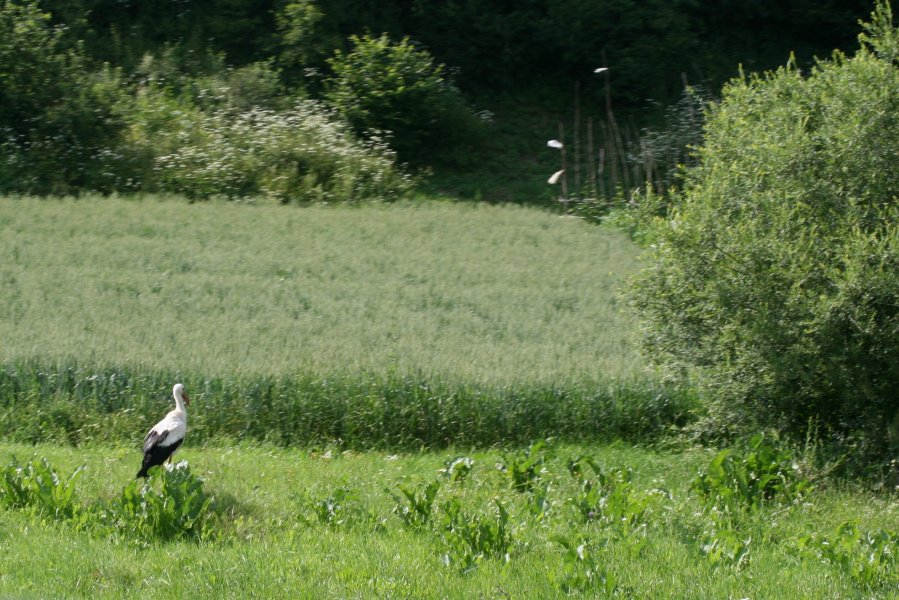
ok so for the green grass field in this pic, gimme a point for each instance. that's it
(417, 325)
(336, 355)
(483, 294)
(271, 538)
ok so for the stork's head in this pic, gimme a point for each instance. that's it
(179, 394)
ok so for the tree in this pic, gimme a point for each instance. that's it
(57, 119)
(773, 285)
(380, 86)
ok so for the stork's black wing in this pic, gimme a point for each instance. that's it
(154, 438)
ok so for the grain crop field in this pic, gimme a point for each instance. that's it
(483, 294)
(417, 325)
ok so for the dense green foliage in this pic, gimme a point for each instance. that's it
(773, 283)
(59, 121)
(597, 522)
(37, 487)
(171, 504)
(738, 480)
(380, 86)
(66, 126)
(77, 78)
(494, 45)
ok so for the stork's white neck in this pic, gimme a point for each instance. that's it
(178, 392)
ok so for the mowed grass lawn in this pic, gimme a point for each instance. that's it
(478, 293)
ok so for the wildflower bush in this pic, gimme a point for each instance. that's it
(302, 155)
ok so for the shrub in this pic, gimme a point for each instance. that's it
(305, 36)
(524, 469)
(59, 122)
(380, 86)
(611, 500)
(772, 286)
(458, 469)
(416, 509)
(472, 538)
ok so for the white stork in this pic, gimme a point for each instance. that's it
(165, 437)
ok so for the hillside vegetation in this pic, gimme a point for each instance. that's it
(320, 100)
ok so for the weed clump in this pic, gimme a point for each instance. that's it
(170, 505)
(39, 487)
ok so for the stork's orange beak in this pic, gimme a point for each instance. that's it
(186, 399)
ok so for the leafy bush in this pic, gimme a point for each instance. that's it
(60, 123)
(37, 486)
(773, 284)
(458, 469)
(306, 37)
(736, 482)
(216, 87)
(610, 499)
(380, 86)
(524, 468)
(171, 504)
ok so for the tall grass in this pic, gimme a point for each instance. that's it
(72, 405)
(418, 325)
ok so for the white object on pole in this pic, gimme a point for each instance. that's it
(554, 144)
(554, 178)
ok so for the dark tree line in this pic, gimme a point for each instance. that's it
(117, 94)
(495, 45)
